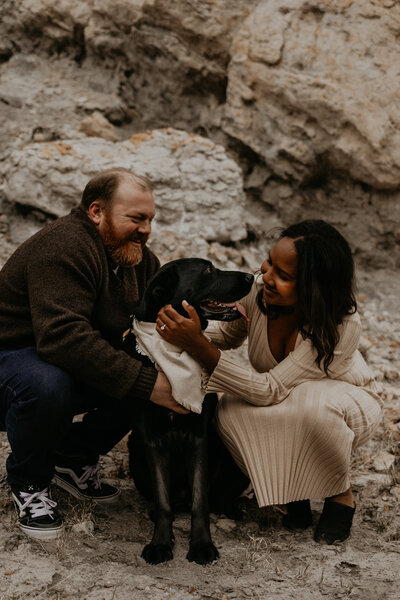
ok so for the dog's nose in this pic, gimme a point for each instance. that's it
(249, 278)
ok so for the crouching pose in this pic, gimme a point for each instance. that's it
(66, 297)
(293, 419)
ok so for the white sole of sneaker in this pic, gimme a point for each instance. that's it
(81, 496)
(44, 535)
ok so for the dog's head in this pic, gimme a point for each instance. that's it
(212, 292)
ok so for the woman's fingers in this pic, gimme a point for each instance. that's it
(170, 313)
(175, 328)
(164, 324)
(191, 311)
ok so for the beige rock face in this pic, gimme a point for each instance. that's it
(313, 81)
(303, 94)
(44, 100)
(196, 184)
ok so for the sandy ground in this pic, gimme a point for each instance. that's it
(98, 558)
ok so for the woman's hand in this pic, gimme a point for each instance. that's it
(186, 333)
(183, 332)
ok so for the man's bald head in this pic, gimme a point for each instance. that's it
(103, 185)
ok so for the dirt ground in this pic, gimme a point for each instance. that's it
(98, 557)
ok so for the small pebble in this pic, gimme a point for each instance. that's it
(86, 527)
(226, 524)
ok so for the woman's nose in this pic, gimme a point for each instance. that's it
(267, 276)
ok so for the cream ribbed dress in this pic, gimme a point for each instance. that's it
(289, 426)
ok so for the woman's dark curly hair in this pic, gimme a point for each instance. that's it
(325, 284)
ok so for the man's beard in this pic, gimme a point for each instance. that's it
(121, 250)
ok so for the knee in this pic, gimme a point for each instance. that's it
(317, 407)
(57, 389)
(48, 390)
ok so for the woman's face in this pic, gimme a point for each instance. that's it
(279, 272)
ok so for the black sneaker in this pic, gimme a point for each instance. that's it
(84, 483)
(37, 512)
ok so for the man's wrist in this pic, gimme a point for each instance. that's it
(144, 383)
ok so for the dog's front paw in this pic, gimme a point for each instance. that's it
(157, 553)
(202, 553)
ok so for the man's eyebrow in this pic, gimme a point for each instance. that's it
(137, 215)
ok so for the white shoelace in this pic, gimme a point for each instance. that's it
(91, 474)
(38, 503)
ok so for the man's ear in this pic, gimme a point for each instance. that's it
(96, 212)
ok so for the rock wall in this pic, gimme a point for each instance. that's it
(195, 205)
(301, 94)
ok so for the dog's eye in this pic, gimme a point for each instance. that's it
(208, 270)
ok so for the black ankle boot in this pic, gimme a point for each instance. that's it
(299, 515)
(335, 523)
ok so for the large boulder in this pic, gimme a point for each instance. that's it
(315, 85)
(198, 189)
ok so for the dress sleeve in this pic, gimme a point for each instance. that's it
(298, 367)
(227, 335)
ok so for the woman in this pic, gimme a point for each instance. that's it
(292, 421)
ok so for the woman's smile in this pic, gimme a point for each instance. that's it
(268, 291)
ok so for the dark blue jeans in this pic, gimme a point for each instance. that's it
(37, 404)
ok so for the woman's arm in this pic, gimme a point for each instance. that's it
(257, 388)
(299, 366)
(227, 335)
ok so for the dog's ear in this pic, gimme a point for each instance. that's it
(159, 292)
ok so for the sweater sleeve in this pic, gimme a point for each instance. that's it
(298, 367)
(63, 286)
(227, 336)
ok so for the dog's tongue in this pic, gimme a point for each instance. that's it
(242, 310)
(239, 307)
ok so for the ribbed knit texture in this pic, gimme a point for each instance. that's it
(144, 383)
(289, 426)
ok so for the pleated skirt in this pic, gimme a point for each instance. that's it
(301, 448)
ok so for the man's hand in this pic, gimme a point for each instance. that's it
(162, 395)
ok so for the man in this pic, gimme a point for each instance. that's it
(66, 296)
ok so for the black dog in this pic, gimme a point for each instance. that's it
(178, 459)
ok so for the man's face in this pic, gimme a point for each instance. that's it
(125, 226)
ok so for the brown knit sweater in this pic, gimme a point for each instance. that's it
(59, 293)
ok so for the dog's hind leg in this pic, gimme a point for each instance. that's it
(201, 549)
(160, 548)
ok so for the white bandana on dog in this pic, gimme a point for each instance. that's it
(183, 372)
